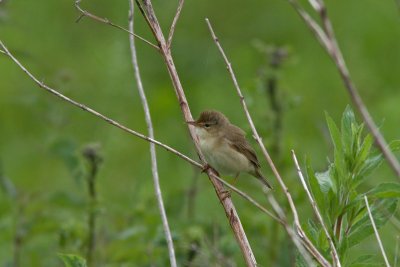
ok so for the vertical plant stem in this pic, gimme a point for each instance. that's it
(149, 123)
(376, 232)
(301, 234)
(335, 255)
(91, 154)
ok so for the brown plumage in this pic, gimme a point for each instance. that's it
(225, 146)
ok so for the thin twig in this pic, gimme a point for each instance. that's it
(226, 201)
(149, 123)
(311, 248)
(97, 114)
(326, 37)
(85, 13)
(376, 232)
(173, 25)
(335, 255)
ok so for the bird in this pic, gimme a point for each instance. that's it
(225, 147)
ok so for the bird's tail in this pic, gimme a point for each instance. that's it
(261, 177)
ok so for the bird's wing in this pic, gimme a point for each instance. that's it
(238, 141)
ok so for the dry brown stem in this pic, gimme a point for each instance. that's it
(230, 210)
(174, 22)
(376, 232)
(308, 244)
(85, 13)
(335, 255)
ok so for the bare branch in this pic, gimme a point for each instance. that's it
(85, 13)
(176, 17)
(226, 201)
(376, 232)
(95, 113)
(311, 248)
(150, 130)
(335, 255)
(327, 39)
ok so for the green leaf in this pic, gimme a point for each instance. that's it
(363, 153)
(334, 131)
(325, 181)
(369, 165)
(312, 230)
(348, 120)
(385, 190)
(381, 211)
(315, 186)
(71, 260)
(395, 145)
(364, 260)
(339, 155)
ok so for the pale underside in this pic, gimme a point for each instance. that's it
(220, 154)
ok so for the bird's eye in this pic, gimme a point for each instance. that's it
(206, 125)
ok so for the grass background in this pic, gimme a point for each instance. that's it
(41, 137)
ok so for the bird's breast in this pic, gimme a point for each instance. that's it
(221, 156)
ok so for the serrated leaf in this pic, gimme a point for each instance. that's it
(385, 190)
(381, 211)
(71, 260)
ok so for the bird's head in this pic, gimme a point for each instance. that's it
(210, 121)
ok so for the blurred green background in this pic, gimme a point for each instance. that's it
(41, 137)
